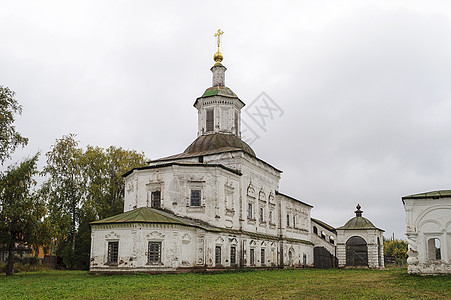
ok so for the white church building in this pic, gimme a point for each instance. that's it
(214, 206)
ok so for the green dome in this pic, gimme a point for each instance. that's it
(219, 91)
(358, 223)
(218, 142)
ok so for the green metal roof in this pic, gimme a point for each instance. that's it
(219, 91)
(140, 215)
(152, 215)
(358, 223)
(433, 195)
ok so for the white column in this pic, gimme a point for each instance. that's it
(444, 247)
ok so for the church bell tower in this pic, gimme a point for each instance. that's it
(219, 108)
(219, 116)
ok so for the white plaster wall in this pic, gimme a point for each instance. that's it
(290, 207)
(133, 242)
(426, 219)
(370, 236)
(186, 247)
(263, 179)
(175, 182)
(224, 114)
(298, 252)
(318, 241)
(259, 182)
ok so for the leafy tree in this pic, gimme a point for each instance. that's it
(103, 169)
(63, 190)
(21, 209)
(10, 138)
(397, 249)
(83, 186)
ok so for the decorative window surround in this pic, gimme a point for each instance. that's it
(154, 253)
(230, 212)
(152, 187)
(196, 195)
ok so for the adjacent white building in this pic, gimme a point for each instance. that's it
(324, 239)
(428, 220)
(216, 205)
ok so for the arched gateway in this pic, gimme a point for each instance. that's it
(356, 252)
(358, 243)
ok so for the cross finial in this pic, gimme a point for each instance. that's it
(218, 35)
(218, 56)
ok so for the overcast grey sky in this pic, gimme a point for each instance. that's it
(364, 87)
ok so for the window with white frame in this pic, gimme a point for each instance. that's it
(288, 220)
(155, 199)
(232, 255)
(433, 249)
(250, 214)
(210, 119)
(113, 253)
(252, 257)
(154, 253)
(196, 197)
(218, 255)
(262, 256)
(229, 197)
(262, 214)
(315, 230)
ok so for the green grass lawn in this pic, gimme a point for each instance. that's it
(314, 283)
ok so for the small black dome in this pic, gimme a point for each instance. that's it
(218, 142)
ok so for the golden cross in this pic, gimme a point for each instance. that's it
(218, 34)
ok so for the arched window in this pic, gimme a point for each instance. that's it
(315, 230)
(323, 235)
(261, 195)
(434, 249)
(291, 257)
(331, 240)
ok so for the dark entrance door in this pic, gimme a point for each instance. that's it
(323, 259)
(356, 252)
